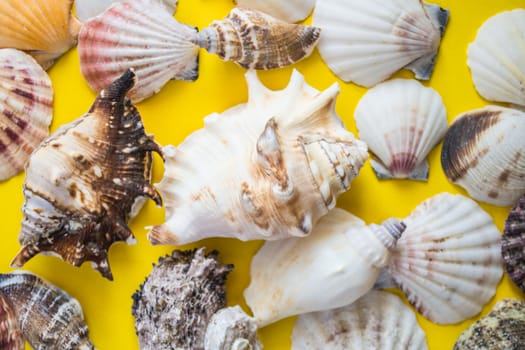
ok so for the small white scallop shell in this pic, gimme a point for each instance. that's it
(378, 320)
(87, 9)
(289, 11)
(497, 58)
(401, 121)
(448, 260)
(367, 41)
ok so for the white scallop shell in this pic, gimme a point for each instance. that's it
(378, 320)
(367, 41)
(265, 169)
(497, 58)
(289, 11)
(87, 9)
(448, 261)
(401, 121)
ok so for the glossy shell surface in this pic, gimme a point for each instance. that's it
(513, 244)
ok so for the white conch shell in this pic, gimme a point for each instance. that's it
(266, 169)
(484, 152)
(368, 41)
(231, 329)
(448, 261)
(333, 267)
(401, 121)
(378, 320)
(289, 11)
(497, 59)
(87, 9)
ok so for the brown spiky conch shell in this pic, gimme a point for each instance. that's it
(83, 181)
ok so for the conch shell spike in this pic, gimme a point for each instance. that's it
(389, 231)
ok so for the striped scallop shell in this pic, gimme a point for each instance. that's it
(513, 244)
(401, 121)
(289, 11)
(138, 34)
(448, 261)
(484, 152)
(497, 58)
(26, 109)
(378, 320)
(367, 41)
(255, 40)
(11, 337)
(46, 29)
(87, 9)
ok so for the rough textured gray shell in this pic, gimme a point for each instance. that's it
(513, 244)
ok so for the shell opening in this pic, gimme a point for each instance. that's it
(389, 232)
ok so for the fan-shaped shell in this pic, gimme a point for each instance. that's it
(138, 34)
(82, 182)
(448, 260)
(266, 169)
(367, 41)
(513, 244)
(11, 337)
(87, 9)
(46, 29)
(484, 152)
(255, 40)
(378, 320)
(231, 329)
(289, 11)
(26, 109)
(497, 60)
(401, 121)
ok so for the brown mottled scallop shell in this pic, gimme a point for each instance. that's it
(83, 181)
(513, 244)
(10, 334)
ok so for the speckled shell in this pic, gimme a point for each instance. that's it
(334, 266)
(49, 317)
(367, 41)
(401, 121)
(484, 152)
(502, 329)
(83, 181)
(513, 244)
(289, 11)
(173, 306)
(378, 320)
(11, 337)
(138, 34)
(26, 105)
(448, 260)
(87, 9)
(45, 29)
(497, 60)
(266, 169)
(231, 329)
(255, 40)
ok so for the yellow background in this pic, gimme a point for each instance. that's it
(179, 109)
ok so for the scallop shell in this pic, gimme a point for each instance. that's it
(231, 329)
(497, 60)
(138, 34)
(289, 11)
(378, 320)
(339, 261)
(49, 317)
(87, 9)
(255, 40)
(484, 152)
(173, 306)
(266, 169)
(45, 29)
(83, 181)
(502, 329)
(513, 244)
(11, 337)
(26, 106)
(448, 260)
(401, 121)
(367, 41)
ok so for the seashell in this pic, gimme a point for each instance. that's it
(378, 320)
(11, 337)
(483, 153)
(502, 329)
(138, 34)
(45, 29)
(266, 169)
(26, 105)
(87, 9)
(497, 60)
(401, 121)
(343, 258)
(365, 42)
(448, 260)
(49, 317)
(513, 242)
(255, 40)
(231, 329)
(289, 11)
(173, 306)
(83, 181)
